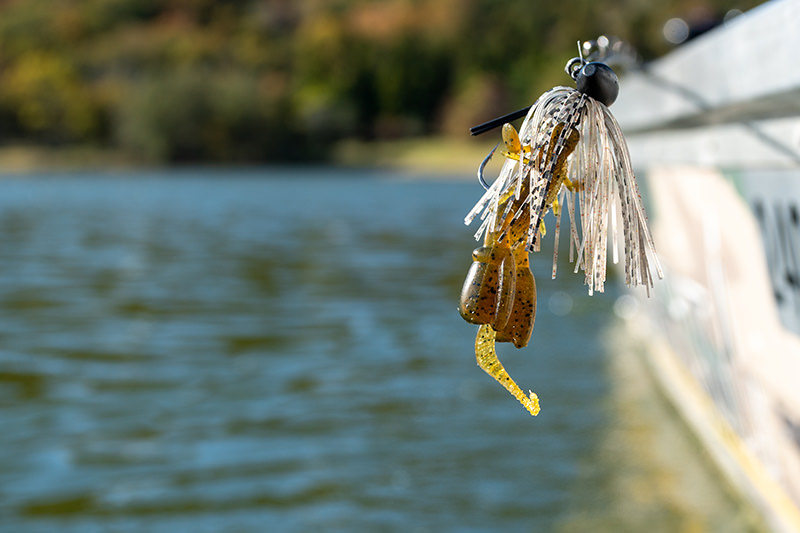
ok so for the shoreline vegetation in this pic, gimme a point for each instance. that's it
(30, 159)
(390, 83)
(437, 156)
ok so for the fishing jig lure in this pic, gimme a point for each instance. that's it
(570, 155)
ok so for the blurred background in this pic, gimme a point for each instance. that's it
(195, 81)
(231, 247)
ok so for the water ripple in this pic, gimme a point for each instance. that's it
(248, 354)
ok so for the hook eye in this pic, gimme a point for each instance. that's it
(574, 66)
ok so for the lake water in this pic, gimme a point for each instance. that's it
(279, 350)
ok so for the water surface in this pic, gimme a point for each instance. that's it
(279, 350)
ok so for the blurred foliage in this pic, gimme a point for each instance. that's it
(246, 80)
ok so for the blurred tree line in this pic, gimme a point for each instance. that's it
(276, 80)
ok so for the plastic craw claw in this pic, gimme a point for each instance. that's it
(522, 316)
(499, 293)
(511, 139)
(488, 361)
(514, 148)
(488, 292)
